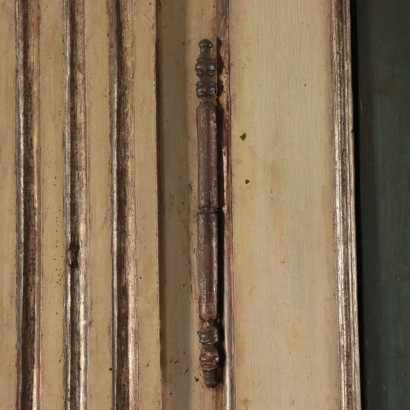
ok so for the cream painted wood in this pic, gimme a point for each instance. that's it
(181, 24)
(52, 66)
(99, 247)
(100, 348)
(286, 329)
(52, 63)
(149, 378)
(286, 332)
(8, 211)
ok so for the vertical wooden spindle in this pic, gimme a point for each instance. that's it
(208, 209)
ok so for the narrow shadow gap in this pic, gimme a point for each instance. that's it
(358, 210)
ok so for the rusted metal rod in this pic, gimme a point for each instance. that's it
(208, 209)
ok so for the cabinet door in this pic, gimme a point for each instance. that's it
(100, 285)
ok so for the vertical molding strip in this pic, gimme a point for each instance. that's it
(224, 129)
(76, 208)
(28, 190)
(122, 68)
(345, 209)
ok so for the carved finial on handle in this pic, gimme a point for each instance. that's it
(205, 68)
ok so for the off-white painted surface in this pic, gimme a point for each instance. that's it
(150, 396)
(52, 62)
(53, 252)
(99, 246)
(283, 194)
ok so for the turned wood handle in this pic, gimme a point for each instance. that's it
(208, 210)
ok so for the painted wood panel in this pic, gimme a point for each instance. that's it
(57, 209)
(52, 114)
(286, 324)
(146, 186)
(100, 340)
(99, 248)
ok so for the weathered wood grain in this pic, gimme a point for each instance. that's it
(76, 207)
(8, 210)
(344, 213)
(122, 72)
(225, 190)
(29, 225)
